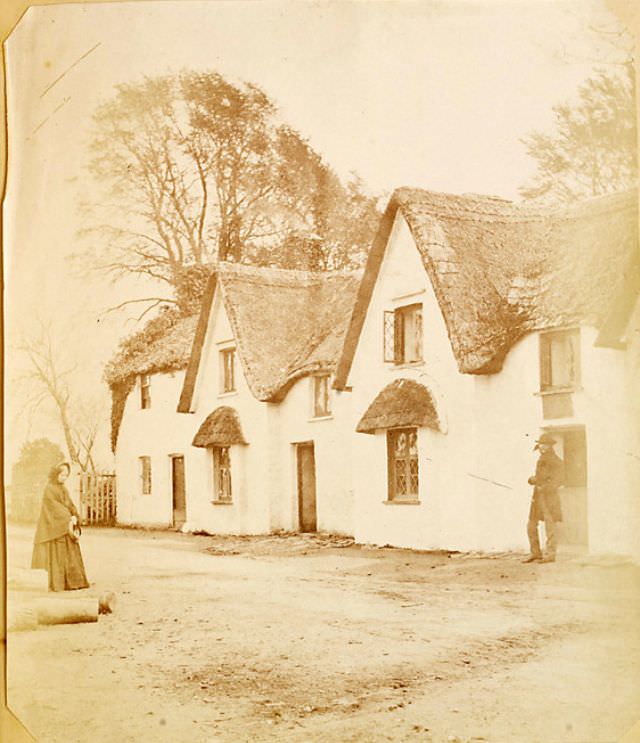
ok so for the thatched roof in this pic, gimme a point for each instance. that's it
(286, 324)
(501, 269)
(163, 345)
(220, 428)
(404, 402)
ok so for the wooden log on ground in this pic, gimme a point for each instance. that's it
(67, 610)
(23, 579)
(21, 617)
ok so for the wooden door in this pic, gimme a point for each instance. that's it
(306, 487)
(572, 447)
(178, 490)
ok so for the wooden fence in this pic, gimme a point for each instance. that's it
(98, 498)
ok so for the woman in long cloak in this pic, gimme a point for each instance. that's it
(54, 548)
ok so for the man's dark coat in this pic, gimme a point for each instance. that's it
(548, 478)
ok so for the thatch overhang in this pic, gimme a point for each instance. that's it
(163, 346)
(286, 324)
(500, 270)
(403, 403)
(220, 428)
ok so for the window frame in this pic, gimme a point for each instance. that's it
(145, 475)
(325, 411)
(395, 336)
(145, 391)
(392, 490)
(227, 372)
(222, 495)
(571, 340)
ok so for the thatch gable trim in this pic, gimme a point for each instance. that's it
(189, 385)
(402, 403)
(363, 297)
(220, 428)
(500, 270)
(612, 331)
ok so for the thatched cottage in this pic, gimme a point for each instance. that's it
(401, 406)
(243, 432)
(478, 324)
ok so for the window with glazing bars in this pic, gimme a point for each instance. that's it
(403, 334)
(221, 474)
(402, 457)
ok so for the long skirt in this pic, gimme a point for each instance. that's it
(62, 559)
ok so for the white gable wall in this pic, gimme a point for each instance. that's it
(444, 491)
(249, 511)
(473, 479)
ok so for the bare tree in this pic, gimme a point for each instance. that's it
(50, 382)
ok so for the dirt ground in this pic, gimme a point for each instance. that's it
(302, 638)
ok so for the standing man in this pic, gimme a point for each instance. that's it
(545, 504)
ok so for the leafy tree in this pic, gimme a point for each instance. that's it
(28, 477)
(593, 148)
(198, 169)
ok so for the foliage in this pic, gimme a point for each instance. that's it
(593, 148)
(29, 476)
(198, 169)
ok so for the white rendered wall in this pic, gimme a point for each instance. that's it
(156, 432)
(292, 422)
(473, 479)
(248, 513)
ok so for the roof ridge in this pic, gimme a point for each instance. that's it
(440, 203)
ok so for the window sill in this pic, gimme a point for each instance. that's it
(221, 502)
(321, 418)
(400, 502)
(405, 364)
(559, 391)
(231, 393)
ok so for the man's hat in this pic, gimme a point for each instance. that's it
(546, 438)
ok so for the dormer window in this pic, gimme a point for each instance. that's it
(227, 367)
(559, 360)
(403, 334)
(145, 391)
(321, 396)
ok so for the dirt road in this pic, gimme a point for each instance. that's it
(303, 639)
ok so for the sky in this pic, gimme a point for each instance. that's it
(425, 94)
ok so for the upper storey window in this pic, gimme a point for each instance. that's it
(403, 334)
(227, 367)
(321, 396)
(145, 391)
(559, 360)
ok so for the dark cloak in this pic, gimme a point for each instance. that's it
(55, 514)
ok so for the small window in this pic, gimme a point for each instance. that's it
(227, 364)
(402, 457)
(403, 334)
(559, 360)
(221, 474)
(145, 391)
(145, 475)
(321, 399)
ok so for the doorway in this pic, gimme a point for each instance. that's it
(572, 448)
(178, 490)
(306, 467)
